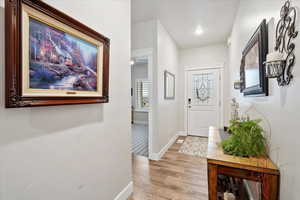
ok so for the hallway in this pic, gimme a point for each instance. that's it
(140, 140)
(149, 99)
(175, 177)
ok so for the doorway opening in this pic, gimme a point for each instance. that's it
(141, 110)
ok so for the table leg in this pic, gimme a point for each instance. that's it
(270, 187)
(212, 181)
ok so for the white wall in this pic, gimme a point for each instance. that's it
(206, 56)
(151, 34)
(72, 152)
(167, 59)
(143, 35)
(281, 110)
(141, 117)
(203, 57)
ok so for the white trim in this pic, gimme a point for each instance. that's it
(140, 122)
(153, 156)
(221, 85)
(141, 110)
(125, 193)
(148, 52)
(158, 156)
(203, 68)
(182, 133)
(185, 105)
(142, 52)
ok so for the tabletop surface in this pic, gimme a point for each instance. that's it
(215, 155)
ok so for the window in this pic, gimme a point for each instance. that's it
(142, 92)
(203, 88)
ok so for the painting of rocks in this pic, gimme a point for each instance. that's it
(60, 61)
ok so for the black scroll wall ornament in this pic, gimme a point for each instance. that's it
(285, 34)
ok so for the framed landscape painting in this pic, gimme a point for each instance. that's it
(52, 59)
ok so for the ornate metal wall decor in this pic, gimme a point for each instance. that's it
(280, 64)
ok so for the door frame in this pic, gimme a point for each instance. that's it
(221, 85)
(149, 54)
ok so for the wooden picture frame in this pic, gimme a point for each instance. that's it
(169, 85)
(92, 81)
(256, 84)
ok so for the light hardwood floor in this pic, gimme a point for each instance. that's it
(175, 177)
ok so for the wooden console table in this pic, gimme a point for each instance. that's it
(261, 170)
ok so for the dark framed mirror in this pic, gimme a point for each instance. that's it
(252, 72)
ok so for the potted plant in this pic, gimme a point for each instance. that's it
(247, 139)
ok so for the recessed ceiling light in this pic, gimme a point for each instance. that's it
(199, 30)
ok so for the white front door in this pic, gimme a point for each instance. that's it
(203, 101)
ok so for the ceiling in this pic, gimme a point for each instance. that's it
(181, 18)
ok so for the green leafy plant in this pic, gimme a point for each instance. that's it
(247, 139)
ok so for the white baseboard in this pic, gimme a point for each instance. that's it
(158, 156)
(125, 193)
(182, 133)
(153, 156)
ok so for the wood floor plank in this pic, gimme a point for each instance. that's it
(175, 177)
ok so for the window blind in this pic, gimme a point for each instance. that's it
(142, 94)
